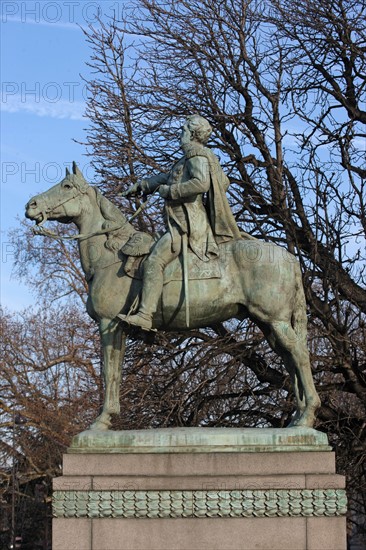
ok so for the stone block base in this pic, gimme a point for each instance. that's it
(197, 499)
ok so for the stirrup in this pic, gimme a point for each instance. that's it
(140, 320)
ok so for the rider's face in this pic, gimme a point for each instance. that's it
(185, 136)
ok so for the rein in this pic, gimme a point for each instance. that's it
(46, 233)
(81, 236)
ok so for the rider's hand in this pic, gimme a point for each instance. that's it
(164, 191)
(135, 189)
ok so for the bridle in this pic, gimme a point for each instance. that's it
(78, 192)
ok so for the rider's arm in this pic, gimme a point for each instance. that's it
(149, 185)
(199, 182)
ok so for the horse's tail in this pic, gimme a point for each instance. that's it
(299, 318)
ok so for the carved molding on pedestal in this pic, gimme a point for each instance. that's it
(200, 503)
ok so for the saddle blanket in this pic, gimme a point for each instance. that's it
(197, 269)
(139, 246)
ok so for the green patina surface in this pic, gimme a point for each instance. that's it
(200, 504)
(199, 440)
(236, 277)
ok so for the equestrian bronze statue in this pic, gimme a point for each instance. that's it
(202, 271)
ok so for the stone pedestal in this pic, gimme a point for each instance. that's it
(199, 488)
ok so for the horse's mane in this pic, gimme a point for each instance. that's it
(113, 217)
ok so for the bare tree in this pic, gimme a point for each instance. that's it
(50, 389)
(283, 86)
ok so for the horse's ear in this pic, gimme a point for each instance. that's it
(76, 170)
(67, 172)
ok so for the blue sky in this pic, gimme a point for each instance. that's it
(43, 55)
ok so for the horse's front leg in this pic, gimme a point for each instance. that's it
(113, 343)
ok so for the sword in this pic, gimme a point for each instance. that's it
(185, 274)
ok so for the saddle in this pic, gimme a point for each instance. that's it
(138, 248)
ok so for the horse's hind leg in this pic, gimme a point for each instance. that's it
(293, 350)
(299, 394)
(273, 341)
(113, 343)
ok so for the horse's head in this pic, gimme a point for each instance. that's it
(63, 202)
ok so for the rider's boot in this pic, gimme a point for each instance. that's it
(151, 292)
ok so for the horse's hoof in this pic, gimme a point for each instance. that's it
(305, 421)
(100, 425)
(294, 421)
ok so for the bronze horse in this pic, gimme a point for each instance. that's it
(253, 279)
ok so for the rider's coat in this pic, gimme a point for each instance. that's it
(206, 222)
